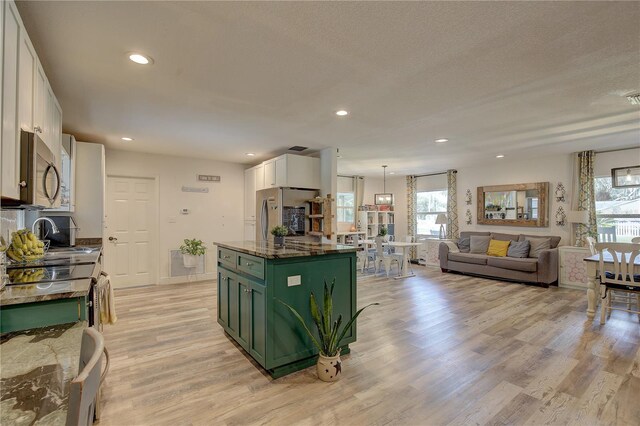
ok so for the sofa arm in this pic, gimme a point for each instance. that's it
(548, 266)
(443, 254)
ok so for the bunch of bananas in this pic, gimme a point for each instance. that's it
(27, 275)
(25, 246)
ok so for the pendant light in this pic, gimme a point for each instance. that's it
(386, 198)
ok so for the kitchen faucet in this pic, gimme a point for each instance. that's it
(54, 227)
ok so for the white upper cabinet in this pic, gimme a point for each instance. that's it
(27, 100)
(10, 130)
(250, 194)
(269, 173)
(292, 171)
(26, 93)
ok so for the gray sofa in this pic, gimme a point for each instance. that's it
(542, 270)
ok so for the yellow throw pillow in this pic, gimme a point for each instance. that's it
(498, 248)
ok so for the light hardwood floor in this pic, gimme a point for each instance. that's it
(440, 349)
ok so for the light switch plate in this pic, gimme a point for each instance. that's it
(294, 280)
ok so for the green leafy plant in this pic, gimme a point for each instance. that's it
(193, 247)
(280, 231)
(330, 333)
(382, 231)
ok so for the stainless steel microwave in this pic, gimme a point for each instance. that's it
(39, 176)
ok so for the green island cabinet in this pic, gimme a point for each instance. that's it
(252, 280)
(24, 316)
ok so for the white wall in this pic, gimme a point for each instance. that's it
(606, 161)
(215, 216)
(396, 185)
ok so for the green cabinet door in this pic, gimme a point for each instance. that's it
(234, 305)
(258, 334)
(223, 297)
(244, 312)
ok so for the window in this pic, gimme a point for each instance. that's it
(346, 206)
(429, 205)
(617, 211)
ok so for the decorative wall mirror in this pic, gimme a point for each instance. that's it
(522, 204)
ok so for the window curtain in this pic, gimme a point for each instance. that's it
(586, 195)
(412, 206)
(452, 205)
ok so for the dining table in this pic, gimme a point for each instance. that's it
(405, 266)
(593, 275)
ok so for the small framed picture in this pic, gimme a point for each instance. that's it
(626, 177)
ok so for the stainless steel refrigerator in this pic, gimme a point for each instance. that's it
(283, 206)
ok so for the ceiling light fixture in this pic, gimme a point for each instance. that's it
(385, 198)
(500, 156)
(392, 173)
(342, 113)
(126, 139)
(141, 59)
(634, 99)
(250, 154)
(442, 140)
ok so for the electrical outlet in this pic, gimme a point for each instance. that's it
(294, 280)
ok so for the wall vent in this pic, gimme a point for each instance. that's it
(298, 148)
(176, 265)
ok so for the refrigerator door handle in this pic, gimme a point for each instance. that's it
(264, 218)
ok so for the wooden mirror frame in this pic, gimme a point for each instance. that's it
(543, 207)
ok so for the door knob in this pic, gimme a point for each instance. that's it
(113, 239)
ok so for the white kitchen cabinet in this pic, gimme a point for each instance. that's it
(259, 173)
(269, 173)
(26, 78)
(250, 194)
(40, 102)
(10, 130)
(249, 230)
(90, 189)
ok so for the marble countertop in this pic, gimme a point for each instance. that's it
(40, 292)
(60, 256)
(36, 369)
(268, 250)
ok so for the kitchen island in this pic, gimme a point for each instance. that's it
(254, 277)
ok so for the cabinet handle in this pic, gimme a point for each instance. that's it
(226, 257)
(249, 264)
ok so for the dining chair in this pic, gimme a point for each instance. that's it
(386, 258)
(84, 388)
(618, 276)
(591, 243)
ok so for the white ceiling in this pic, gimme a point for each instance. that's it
(522, 79)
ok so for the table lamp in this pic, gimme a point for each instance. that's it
(578, 217)
(441, 220)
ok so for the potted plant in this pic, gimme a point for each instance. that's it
(191, 250)
(382, 232)
(279, 232)
(329, 365)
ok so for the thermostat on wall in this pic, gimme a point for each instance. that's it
(184, 211)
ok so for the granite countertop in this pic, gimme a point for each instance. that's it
(40, 292)
(269, 250)
(36, 369)
(60, 256)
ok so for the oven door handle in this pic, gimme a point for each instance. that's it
(46, 191)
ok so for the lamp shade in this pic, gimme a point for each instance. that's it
(441, 219)
(578, 216)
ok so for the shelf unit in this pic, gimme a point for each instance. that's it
(320, 217)
(372, 221)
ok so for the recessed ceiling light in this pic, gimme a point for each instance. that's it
(342, 113)
(126, 139)
(140, 59)
(500, 156)
(392, 173)
(250, 154)
(443, 140)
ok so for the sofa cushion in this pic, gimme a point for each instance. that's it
(464, 244)
(555, 240)
(504, 237)
(525, 265)
(498, 248)
(479, 244)
(478, 259)
(537, 245)
(519, 249)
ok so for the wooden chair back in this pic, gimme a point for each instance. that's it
(411, 239)
(623, 255)
(635, 240)
(379, 247)
(607, 234)
(84, 388)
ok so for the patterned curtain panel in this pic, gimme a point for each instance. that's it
(586, 195)
(412, 206)
(452, 205)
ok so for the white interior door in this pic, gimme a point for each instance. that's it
(130, 256)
